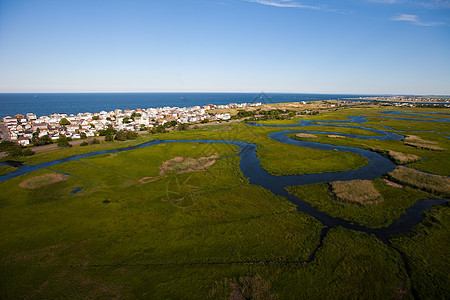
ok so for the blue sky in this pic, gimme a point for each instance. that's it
(304, 46)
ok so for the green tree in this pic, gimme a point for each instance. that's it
(160, 129)
(183, 127)
(63, 141)
(64, 121)
(7, 145)
(132, 135)
(27, 152)
(45, 140)
(121, 136)
(109, 131)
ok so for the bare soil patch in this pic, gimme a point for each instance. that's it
(417, 179)
(334, 136)
(417, 142)
(356, 191)
(306, 135)
(40, 181)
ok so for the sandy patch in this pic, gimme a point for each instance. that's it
(38, 182)
(336, 136)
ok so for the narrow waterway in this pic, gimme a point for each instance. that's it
(251, 168)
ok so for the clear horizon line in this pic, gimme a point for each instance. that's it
(222, 92)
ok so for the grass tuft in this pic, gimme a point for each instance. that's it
(361, 192)
(187, 164)
(417, 142)
(40, 181)
(428, 182)
(306, 135)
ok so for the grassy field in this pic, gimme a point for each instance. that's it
(313, 161)
(7, 169)
(431, 161)
(427, 251)
(343, 267)
(395, 201)
(179, 221)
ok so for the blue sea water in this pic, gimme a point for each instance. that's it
(73, 103)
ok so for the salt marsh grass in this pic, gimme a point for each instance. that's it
(361, 192)
(428, 182)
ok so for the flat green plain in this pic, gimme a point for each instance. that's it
(133, 233)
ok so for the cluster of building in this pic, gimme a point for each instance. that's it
(409, 99)
(21, 128)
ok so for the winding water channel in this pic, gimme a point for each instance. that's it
(251, 168)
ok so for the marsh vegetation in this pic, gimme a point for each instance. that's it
(201, 229)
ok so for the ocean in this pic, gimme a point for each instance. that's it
(73, 103)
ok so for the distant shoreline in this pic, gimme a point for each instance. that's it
(73, 103)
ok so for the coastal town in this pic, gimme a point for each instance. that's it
(21, 128)
(412, 99)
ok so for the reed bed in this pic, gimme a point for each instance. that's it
(306, 136)
(40, 181)
(428, 182)
(361, 192)
(417, 142)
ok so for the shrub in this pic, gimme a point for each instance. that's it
(63, 141)
(27, 152)
(121, 136)
(6, 145)
(132, 135)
